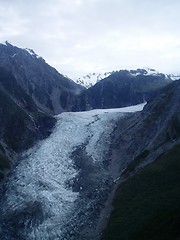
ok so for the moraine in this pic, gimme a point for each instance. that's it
(59, 187)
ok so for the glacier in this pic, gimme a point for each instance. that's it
(58, 188)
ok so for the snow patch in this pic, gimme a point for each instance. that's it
(32, 53)
(92, 78)
(6, 43)
(14, 55)
(174, 77)
(145, 72)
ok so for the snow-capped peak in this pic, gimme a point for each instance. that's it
(144, 71)
(174, 77)
(92, 78)
(6, 43)
(32, 53)
(27, 50)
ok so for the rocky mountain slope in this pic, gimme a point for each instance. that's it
(138, 141)
(54, 93)
(122, 88)
(30, 93)
(58, 187)
(21, 121)
(91, 79)
(50, 90)
(174, 77)
(69, 199)
(153, 130)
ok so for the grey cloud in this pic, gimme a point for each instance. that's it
(78, 35)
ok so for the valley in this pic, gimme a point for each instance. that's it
(59, 187)
(72, 158)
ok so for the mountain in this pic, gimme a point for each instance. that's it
(122, 88)
(34, 90)
(147, 205)
(53, 93)
(92, 78)
(154, 130)
(174, 77)
(31, 92)
(62, 187)
(50, 90)
(21, 121)
(58, 188)
(145, 161)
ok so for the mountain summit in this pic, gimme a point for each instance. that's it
(123, 88)
(50, 90)
(59, 188)
(31, 92)
(91, 79)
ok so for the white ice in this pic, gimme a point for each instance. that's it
(44, 170)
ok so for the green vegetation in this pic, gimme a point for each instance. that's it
(137, 161)
(14, 120)
(12, 88)
(176, 124)
(2, 149)
(150, 83)
(148, 86)
(147, 205)
(8, 106)
(4, 163)
(1, 176)
(21, 125)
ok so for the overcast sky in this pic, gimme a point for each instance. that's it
(82, 36)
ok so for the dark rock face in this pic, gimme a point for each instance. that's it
(141, 138)
(21, 121)
(54, 93)
(122, 89)
(31, 92)
(145, 193)
(28, 93)
(50, 90)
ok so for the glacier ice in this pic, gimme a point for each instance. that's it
(38, 203)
